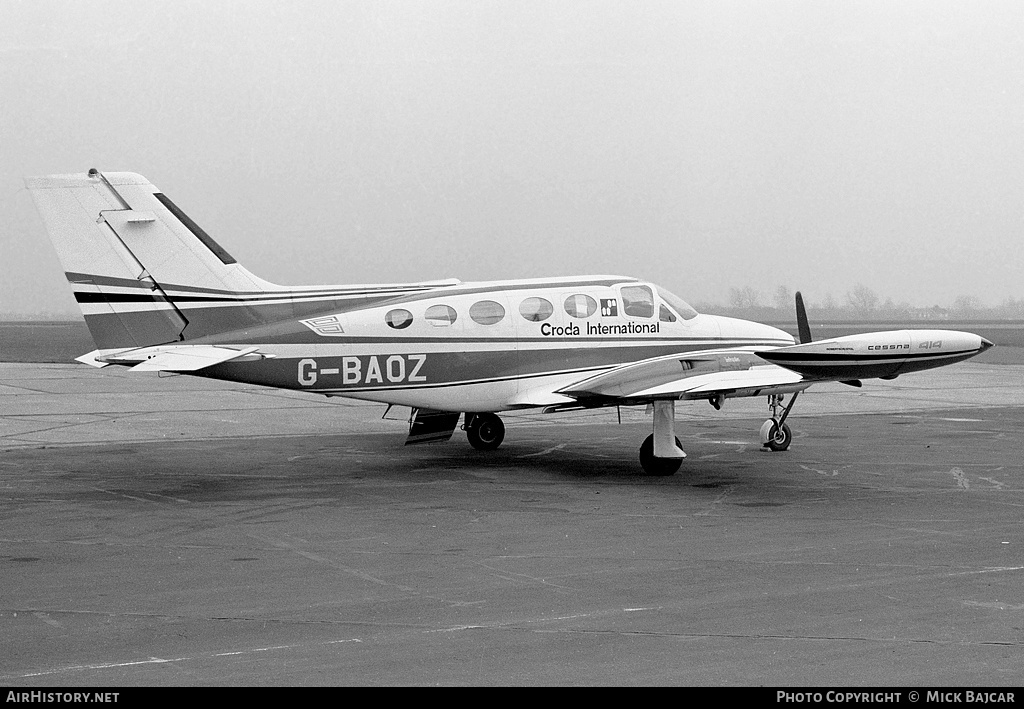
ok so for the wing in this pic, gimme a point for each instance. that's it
(765, 370)
(698, 375)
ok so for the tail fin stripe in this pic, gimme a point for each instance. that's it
(86, 296)
(197, 230)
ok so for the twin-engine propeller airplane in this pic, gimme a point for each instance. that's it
(158, 294)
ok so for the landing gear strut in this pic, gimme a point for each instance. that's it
(775, 434)
(484, 431)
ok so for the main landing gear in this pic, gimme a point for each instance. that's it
(485, 431)
(658, 466)
(662, 453)
(775, 434)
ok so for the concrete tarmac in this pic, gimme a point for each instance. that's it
(178, 531)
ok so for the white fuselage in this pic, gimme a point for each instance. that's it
(496, 346)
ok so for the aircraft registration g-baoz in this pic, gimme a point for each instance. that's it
(158, 294)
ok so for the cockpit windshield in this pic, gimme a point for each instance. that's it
(678, 304)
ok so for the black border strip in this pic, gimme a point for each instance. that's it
(802, 358)
(197, 230)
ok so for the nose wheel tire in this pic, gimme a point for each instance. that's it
(657, 466)
(778, 438)
(485, 431)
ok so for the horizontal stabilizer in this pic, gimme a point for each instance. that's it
(191, 359)
(181, 358)
(91, 358)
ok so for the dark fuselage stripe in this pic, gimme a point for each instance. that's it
(378, 370)
(802, 358)
(94, 297)
(638, 341)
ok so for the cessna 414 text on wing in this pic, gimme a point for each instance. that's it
(158, 294)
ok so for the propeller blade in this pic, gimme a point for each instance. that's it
(801, 320)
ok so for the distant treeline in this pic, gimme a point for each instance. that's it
(861, 303)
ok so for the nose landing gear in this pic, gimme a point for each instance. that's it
(775, 434)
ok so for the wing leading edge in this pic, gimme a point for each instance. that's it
(700, 375)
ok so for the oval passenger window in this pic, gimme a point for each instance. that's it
(486, 312)
(398, 319)
(440, 315)
(536, 309)
(580, 305)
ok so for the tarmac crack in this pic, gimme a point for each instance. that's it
(779, 636)
(40, 613)
(281, 544)
(515, 577)
(172, 660)
(552, 449)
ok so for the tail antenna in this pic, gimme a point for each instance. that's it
(801, 320)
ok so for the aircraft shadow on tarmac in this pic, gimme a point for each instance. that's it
(720, 454)
(337, 466)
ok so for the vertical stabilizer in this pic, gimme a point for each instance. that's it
(130, 253)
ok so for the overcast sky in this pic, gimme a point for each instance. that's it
(701, 145)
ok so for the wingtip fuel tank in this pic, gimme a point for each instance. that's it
(878, 354)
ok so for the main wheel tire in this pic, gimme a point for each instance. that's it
(657, 466)
(779, 438)
(485, 432)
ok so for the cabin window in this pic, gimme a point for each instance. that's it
(536, 309)
(638, 301)
(486, 312)
(580, 306)
(666, 315)
(440, 315)
(677, 304)
(398, 319)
